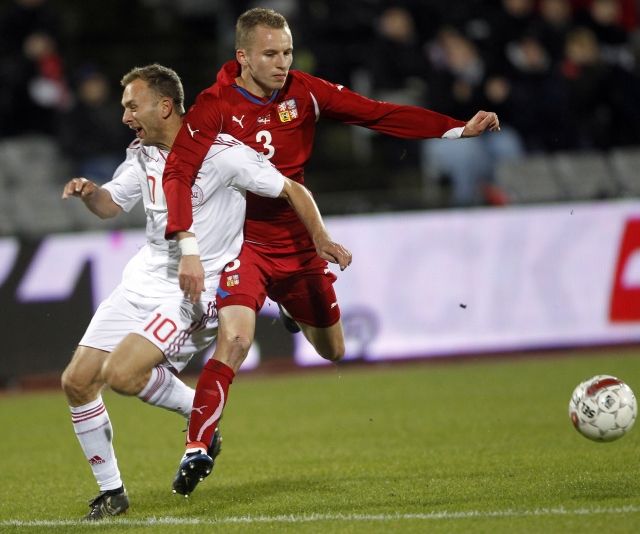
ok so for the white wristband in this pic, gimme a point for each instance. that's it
(189, 246)
(453, 133)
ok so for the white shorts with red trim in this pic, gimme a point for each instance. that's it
(177, 327)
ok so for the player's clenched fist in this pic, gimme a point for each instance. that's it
(79, 187)
(481, 122)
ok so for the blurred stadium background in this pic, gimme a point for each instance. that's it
(524, 240)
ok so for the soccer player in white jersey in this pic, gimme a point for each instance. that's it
(147, 329)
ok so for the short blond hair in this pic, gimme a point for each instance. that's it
(258, 16)
(163, 80)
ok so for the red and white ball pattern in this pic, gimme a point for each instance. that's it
(603, 408)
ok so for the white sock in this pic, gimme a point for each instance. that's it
(166, 390)
(93, 428)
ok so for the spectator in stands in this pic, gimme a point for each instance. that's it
(520, 44)
(20, 18)
(26, 28)
(34, 87)
(398, 69)
(90, 132)
(339, 33)
(536, 95)
(552, 26)
(603, 110)
(506, 24)
(590, 93)
(604, 19)
(397, 64)
(457, 86)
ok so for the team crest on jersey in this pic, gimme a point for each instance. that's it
(197, 195)
(287, 110)
(233, 280)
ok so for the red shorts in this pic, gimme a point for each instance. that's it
(300, 281)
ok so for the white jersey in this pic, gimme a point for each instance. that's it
(218, 198)
(149, 302)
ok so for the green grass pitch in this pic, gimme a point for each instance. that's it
(477, 446)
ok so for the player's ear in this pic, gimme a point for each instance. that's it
(241, 56)
(166, 107)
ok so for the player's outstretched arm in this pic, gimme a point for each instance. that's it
(307, 210)
(96, 198)
(481, 122)
(190, 270)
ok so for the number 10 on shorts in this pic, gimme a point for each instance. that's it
(163, 327)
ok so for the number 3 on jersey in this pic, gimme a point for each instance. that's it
(264, 138)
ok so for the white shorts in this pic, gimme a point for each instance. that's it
(174, 325)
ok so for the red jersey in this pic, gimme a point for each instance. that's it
(282, 127)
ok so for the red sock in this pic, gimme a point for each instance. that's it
(208, 403)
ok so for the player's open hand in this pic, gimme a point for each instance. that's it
(191, 277)
(333, 252)
(481, 122)
(79, 187)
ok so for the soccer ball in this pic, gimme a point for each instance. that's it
(603, 408)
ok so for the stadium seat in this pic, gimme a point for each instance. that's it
(4, 178)
(83, 220)
(7, 217)
(32, 174)
(584, 175)
(136, 218)
(30, 159)
(39, 210)
(626, 165)
(528, 180)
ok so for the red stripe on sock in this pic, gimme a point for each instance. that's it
(88, 414)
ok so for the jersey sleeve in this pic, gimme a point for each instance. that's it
(410, 122)
(199, 129)
(245, 169)
(124, 187)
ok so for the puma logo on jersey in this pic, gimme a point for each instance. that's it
(238, 120)
(199, 410)
(191, 132)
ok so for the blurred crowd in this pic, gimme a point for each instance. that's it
(562, 74)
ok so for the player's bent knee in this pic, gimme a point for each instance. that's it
(240, 345)
(234, 350)
(119, 380)
(333, 356)
(333, 353)
(328, 342)
(76, 388)
(67, 382)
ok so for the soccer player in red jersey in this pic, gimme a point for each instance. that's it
(257, 99)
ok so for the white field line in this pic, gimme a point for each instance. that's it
(310, 518)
